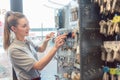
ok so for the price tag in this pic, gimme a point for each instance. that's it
(113, 71)
(118, 71)
(106, 69)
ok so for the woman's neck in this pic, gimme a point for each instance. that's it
(20, 39)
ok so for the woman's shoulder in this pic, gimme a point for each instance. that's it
(16, 45)
(13, 47)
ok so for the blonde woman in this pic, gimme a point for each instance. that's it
(22, 51)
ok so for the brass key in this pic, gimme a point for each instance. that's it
(103, 27)
(113, 6)
(109, 23)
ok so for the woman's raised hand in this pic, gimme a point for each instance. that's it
(60, 40)
(49, 36)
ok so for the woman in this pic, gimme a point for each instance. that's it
(22, 51)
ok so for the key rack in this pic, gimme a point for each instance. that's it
(96, 43)
(69, 56)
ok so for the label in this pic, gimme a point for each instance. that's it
(113, 71)
(118, 71)
(116, 19)
(106, 69)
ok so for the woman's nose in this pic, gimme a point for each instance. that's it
(28, 27)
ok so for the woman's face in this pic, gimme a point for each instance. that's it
(22, 28)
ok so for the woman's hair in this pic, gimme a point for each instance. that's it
(11, 19)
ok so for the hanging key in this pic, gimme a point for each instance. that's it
(112, 30)
(108, 5)
(105, 76)
(103, 27)
(117, 29)
(113, 6)
(109, 23)
(109, 55)
(101, 3)
(116, 55)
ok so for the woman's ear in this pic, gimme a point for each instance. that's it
(13, 29)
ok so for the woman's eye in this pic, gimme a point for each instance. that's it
(25, 25)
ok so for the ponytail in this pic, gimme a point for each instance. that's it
(6, 35)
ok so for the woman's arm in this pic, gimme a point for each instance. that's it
(44, 45)
(59, 41)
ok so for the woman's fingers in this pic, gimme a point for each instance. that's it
(49, 36)
(60, 40)
(63, 36)
(52, 34)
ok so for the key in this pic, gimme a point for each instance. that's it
(116, 53)
(109, 54)
(103, 27)
(105, 76)
(112, 30)
(117, 29)
(108, 6)
(113, 6)
(109, 23)
(101, 9)
(101, 3)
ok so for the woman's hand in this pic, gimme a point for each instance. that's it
(60, 40)
(49, 36)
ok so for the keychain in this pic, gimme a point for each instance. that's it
(112, 73)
